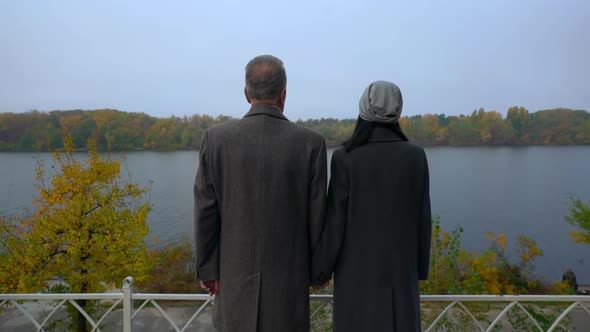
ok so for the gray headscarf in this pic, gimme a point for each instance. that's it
(381, 102)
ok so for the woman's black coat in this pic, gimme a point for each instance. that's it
(376, 239)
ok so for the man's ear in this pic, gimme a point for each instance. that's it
(247, 97)
(284, 94)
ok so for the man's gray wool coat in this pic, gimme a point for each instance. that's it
(259, 201)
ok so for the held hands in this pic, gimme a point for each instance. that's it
(320, 287)
(211, 286)
(320, 280)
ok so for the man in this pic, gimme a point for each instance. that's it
(259, 200)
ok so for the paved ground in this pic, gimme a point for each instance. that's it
(150, 320)
(580, 320)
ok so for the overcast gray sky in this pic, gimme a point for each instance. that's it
(184, 57)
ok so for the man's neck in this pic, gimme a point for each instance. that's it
(267, 103)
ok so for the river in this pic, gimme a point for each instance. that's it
(512, 190)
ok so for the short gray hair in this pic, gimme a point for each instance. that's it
(265, 77)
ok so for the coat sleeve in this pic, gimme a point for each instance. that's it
(207, 219)
(425, 227)
(327, 252)
(317, 195)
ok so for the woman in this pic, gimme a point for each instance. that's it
(376, 239)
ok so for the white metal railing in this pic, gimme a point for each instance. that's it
(457, 304)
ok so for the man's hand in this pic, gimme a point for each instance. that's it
(211, 286)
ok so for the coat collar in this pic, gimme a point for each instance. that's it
(383, 134)
(266, 109)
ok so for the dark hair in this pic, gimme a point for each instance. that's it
(362, 132)
(265, 77)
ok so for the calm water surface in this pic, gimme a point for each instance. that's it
(522, 190)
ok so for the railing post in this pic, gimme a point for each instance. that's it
(127, 303)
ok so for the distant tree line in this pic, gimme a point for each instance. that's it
(117, 130)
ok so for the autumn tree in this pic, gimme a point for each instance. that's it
(87, 230)
(172, 269)
(117, 130)
(579, 217)
(454, 270)
(518, 118)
